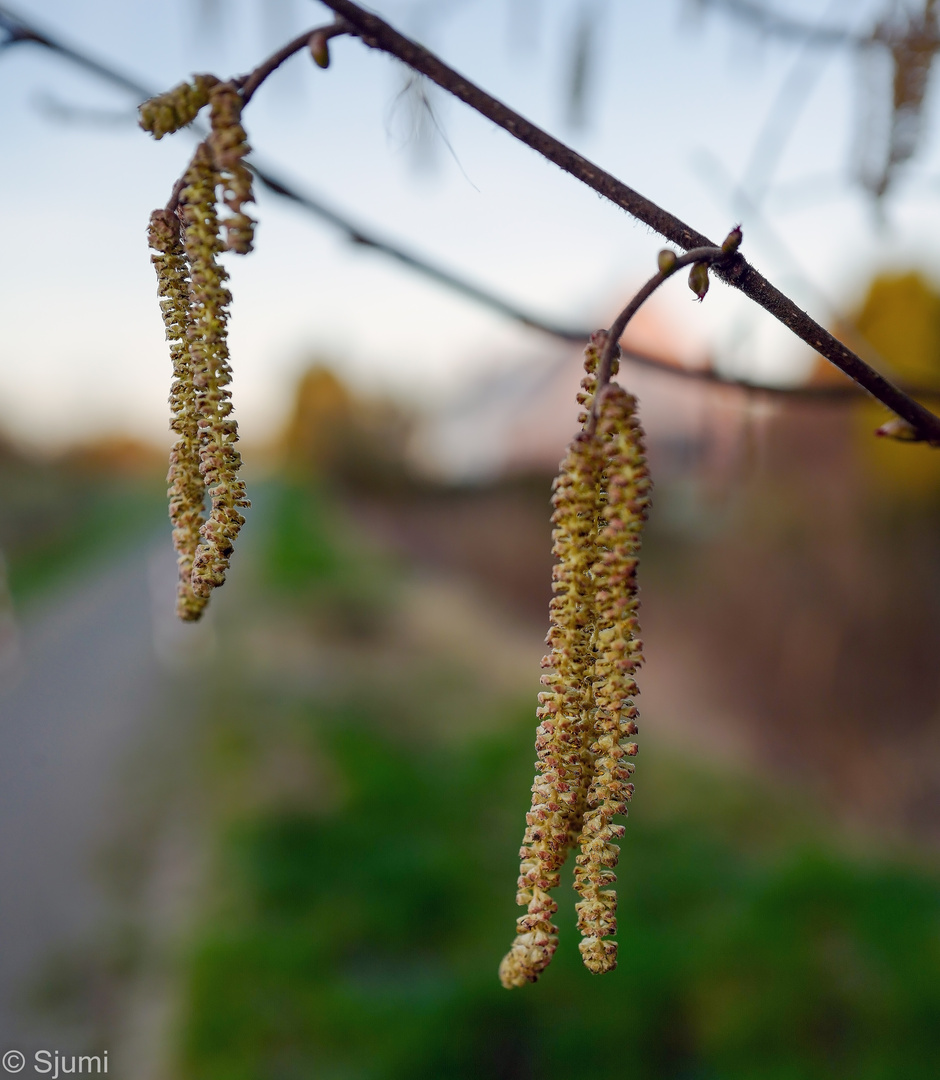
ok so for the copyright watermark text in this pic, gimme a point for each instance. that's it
(53, 1064)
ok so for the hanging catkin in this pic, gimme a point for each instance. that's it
(559, 739)
(565, 710)
(617, 655)
(219, 461)
(187, 490)
(587, 714)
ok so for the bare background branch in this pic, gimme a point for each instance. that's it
(19, 30)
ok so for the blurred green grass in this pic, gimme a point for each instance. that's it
(359, 937)
(58, 525)
(364, 941)
(314, 558)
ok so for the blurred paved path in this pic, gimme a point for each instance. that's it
(87, 687)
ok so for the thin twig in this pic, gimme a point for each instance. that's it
(615, 332)
(250, 83)
(377, 34)
(19, 30)
(784, 26)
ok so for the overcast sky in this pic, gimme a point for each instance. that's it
(678, 100)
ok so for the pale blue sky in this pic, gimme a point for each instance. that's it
(82, 346)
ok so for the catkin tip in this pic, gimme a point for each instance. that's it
(228, 144)
(166, 113)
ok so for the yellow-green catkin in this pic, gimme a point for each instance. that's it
(228, 144)
(592, 358)
(559, 778)
(618, 654)
(186, 487)
(566, 708)
(166, 113)
(218, 432)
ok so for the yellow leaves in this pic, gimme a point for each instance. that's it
(900, 320)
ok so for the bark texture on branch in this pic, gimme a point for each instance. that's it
(378, 34)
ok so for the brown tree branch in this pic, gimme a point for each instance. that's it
(377, 34)
(20, 31)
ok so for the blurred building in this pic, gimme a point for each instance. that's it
(519, 420)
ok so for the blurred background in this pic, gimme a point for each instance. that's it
(283, 842)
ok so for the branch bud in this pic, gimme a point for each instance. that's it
(698, 279)
(732, 241)
(666, 260)
(896, 428)
(320, 49)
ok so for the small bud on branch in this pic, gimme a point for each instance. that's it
(732, 241)
(897, 429)
(666, 261)
(320, 49)
(698, 280)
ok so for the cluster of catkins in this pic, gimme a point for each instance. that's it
(194, 301)
(587, 715)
